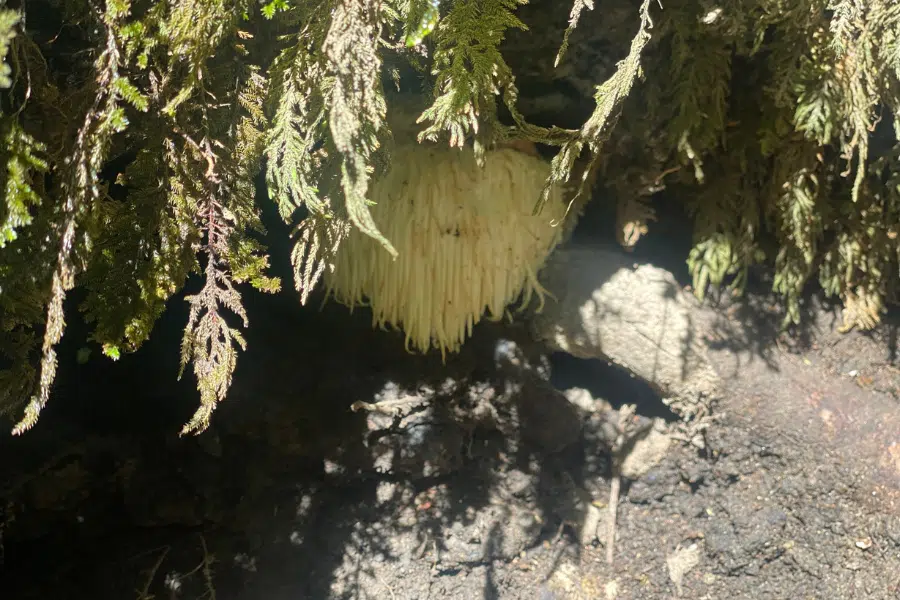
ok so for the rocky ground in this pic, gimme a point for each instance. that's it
(482, 482)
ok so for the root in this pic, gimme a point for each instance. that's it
(615, 486)
(174, 585)
(144, 593)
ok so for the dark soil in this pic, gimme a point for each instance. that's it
(797, 494)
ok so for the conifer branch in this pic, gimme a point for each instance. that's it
(470, 72)
(209, 342)
(80, 188)
(609, 99)
(357, 104)
(301, 169)
(578, 6)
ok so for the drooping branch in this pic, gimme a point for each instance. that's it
(80, 187)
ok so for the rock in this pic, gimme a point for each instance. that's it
(589, 527)
(635, 316)
(680, 562)
(586, 402)
(646, 452)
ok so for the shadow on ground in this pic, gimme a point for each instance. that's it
(295, 494)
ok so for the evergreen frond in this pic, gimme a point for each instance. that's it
(800, 214)
(609, 99)
(294, 148)
(79, 189)
(143, 251)
(302, 167)
(470, 72)
(860, 264)
(216, 173)
(9, 20)
(578, 6)
(194, 30)
(357, 107)
(700, 72)
(421, 18)
(22, 155)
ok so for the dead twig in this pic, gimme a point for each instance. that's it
(208, 561)
(205, 567)
(389, 407)
(144, 593)
(626, 429)
(614, 488)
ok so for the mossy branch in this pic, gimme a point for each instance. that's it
(79, 189)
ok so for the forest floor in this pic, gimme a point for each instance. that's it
(797, 494)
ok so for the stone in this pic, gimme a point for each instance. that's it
(600, 305)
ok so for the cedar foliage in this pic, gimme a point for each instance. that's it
(772, 118)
